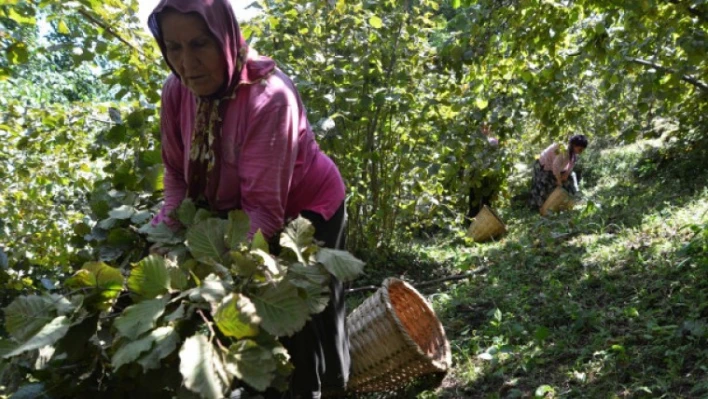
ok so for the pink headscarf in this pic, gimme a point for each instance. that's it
(204, 158)
(221, 21)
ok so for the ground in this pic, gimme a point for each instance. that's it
(609, 300)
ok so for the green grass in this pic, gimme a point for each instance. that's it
(607, 301)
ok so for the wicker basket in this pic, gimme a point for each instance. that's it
(559, 200)
(395, 337)
(486, 225)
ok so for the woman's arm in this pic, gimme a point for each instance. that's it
(172, 151)
(266, 164)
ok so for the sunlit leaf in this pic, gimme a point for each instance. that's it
(259, 242)
(122, 212)
(166, 340)
(139, 318)
(236, 317)
(149, 278)
(212, 290)
(198, 366)
(297, 235)
(47, 335)
(375, 22)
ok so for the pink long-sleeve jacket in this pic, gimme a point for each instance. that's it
(272, 168)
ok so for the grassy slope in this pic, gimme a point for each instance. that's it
(610, 300)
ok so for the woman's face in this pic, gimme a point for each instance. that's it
(193, 52)
(578, 149)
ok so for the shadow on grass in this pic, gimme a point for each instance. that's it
(546, 320)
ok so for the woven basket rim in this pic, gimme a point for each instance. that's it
(486, 225)
(443, 364)
(496, 215)
(559, 196)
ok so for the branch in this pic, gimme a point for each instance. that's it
(109, 30)
(211, 330)
(427, 283)
(687, 78)
(691, 10)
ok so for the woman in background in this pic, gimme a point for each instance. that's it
(554, 168)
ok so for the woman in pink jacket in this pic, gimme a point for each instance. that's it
(235, 135)
(554, 168)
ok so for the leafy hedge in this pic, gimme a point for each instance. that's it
(207, 315)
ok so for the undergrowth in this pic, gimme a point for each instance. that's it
(609, 300)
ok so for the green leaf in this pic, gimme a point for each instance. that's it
(26, 315)
(205, 240)
(238, 227)
(139, 318)
(455, 4)
(243, 265)
(186, 212)
(6, 346)
(481, 103)
(122, 212)
(199, 366)
(314, 273)
(343, 265)
(269, 261)
(259, 242)
(212, 290)
(178, 278)
(201, 215)
(297, 235)
(237, 317)
(149, 278)
(78, 342)
(107, 281)
(121, 237)
(141, 217)
(314, 280)
(14, 14)
(542, 333)
(253, 364)
(136, 119)
(166, 340)
(375, 22)
(32, 391)
(317, 297)
(281, 309)
(542, 390)
(131, 351)
(48, 335)
(176, 314)
(17, 53)
(62, 28)
(160, 234)
(153, 178)
(116, 134)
